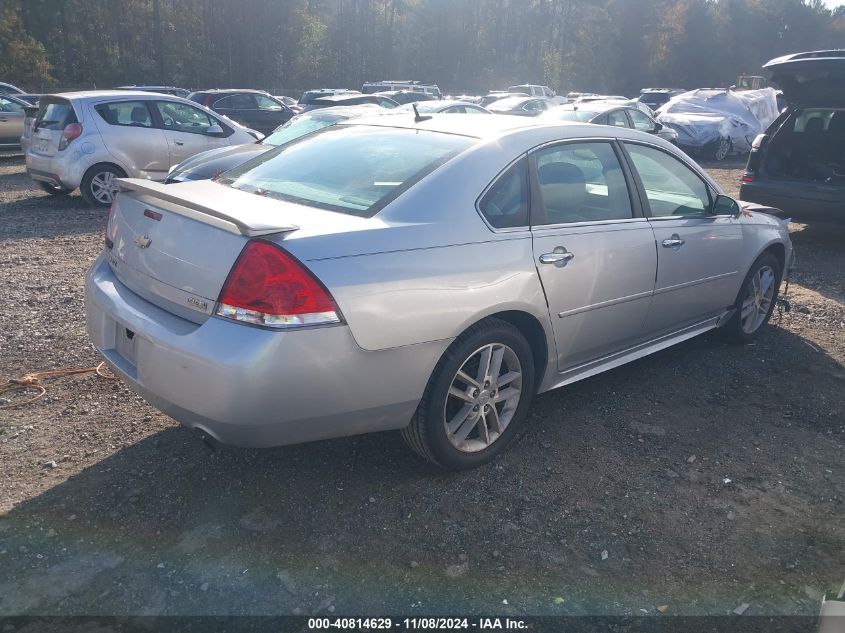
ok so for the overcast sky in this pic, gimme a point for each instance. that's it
(834, 3)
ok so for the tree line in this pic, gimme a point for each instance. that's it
(610, 46)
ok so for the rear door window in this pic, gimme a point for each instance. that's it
(236, 102)
(7, 105)
(128, 113)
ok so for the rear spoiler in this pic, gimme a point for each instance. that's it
(201, 212)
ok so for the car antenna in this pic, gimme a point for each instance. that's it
(417, 116)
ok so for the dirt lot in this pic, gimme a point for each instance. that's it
(712, 475)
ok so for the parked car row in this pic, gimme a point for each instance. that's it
(802, 146)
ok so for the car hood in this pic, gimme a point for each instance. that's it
(208, 164)
(811, 79)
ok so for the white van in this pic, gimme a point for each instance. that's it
(414, 86)
(533, 90)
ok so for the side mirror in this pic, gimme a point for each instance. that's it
(215, 130)
(725, 205)
(658, 126)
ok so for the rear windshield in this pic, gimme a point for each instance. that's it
(580, 116)
(354, 170)
(55, 115)
(300, 126)
(508, 103)
(312, 95)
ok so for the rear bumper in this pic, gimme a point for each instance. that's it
(249, 386)
(794, 199)
(59, 170)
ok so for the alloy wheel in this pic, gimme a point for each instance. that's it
(723, 149)
(103, 187)
(483, 397)
(758, 299)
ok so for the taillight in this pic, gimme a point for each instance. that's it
(268, 287)
(748, 178)
(110, 230)
(71, 131)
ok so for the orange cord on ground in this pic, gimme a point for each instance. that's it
(33, 381)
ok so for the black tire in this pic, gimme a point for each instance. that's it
(733, 330)
(54, 190)
(90, 181)
(427, 434)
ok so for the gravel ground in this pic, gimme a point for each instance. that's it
(699, 478)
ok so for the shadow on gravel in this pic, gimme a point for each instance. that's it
(820, 257)
(732, 162)
(701, 477)
(49, 216)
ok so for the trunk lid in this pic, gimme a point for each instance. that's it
(174, 245)
(54, 113)
(811, 79)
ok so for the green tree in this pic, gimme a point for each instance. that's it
(23, 59)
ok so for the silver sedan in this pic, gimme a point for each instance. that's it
(424, 275)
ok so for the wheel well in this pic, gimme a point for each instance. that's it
(105, 164)
(534, 333)
(779, 251)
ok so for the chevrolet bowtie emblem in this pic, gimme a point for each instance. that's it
(142, 241)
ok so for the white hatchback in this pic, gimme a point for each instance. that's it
(87, 139)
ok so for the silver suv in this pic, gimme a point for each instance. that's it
(87, 139)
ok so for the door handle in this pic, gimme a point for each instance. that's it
(179, 142)
(674, 242)
(556, 256)
(3, 120)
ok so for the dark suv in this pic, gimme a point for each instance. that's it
(656, 97)
(253, 108)
(798, 164)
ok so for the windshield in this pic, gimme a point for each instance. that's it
(300, 126)
(355, 170)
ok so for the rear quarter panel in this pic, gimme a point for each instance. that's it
(760, 232)
(407, 297)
